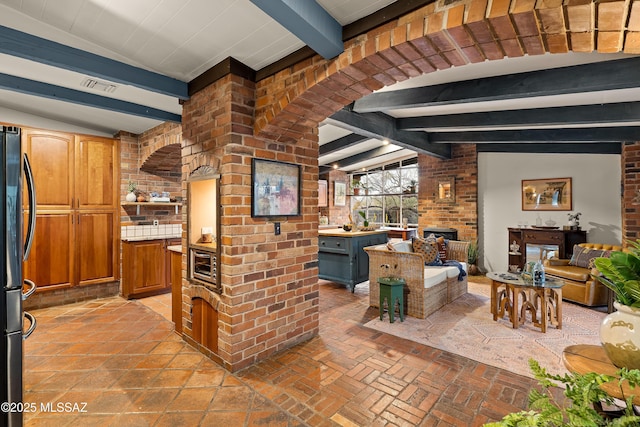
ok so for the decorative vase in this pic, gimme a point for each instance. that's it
(130, 197)
(620, 336)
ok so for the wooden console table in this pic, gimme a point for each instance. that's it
(564, 239)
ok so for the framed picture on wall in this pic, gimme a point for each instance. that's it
(323, 186)
(275, 189)
(339, 193)
(548, 194)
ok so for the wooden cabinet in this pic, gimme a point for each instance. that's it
(77, 223)
(524, 237)
(146, 267)
(341, 256)
(51, 261)
(176, 289)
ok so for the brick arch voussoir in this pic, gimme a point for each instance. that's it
(431, 42)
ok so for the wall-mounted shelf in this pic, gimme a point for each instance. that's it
(150, 204)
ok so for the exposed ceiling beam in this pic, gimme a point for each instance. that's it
(382, 126)
(388, 13)
(32, 87)
(340, 143)
(309, 22)
(366, 155)
(610, 75)
(582, 135)
(33, 48)
(569, 148)
(581, 115)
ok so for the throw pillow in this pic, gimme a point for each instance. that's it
(442, 246)
(428, 250)
(583, 257)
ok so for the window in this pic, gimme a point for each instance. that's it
(387, 194)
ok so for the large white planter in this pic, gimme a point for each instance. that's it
(620, 336)
(130, 197)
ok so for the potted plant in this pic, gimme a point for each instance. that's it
(472, 258)
(583, 393)
(355, 186)
(365, 223)
(131, 196)
(620, 330)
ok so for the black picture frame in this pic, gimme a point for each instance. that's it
(275, 189)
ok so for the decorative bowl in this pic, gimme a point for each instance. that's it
(550, 223)
(347, 227)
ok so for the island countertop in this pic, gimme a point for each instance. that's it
(338, 232)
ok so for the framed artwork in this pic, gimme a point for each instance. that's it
(339, 193)
(446, 191)
(275, 189)
(323, 186)
(549, 194)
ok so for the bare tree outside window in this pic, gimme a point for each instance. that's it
(390, 194)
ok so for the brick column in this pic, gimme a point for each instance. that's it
(269, 298)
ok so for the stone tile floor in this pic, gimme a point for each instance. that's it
(125, 362)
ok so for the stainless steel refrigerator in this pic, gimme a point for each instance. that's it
(16, 245)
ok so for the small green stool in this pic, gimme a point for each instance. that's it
(392, 288)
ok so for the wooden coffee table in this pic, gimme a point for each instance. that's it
(510, 295)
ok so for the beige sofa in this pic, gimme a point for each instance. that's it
(428, 287)
(579, 285)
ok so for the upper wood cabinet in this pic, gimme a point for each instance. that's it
(73, 171)
(52, 161)
(97, 182)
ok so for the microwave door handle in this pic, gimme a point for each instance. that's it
(32, 328)
(31, 290)
(31, 189)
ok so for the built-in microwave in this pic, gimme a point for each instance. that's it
(203, 264)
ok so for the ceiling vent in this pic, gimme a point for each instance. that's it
(98, 85)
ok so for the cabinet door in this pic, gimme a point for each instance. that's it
(51, 262)
(51, 157)
(205, 324)
(143, 268)
(97, 248)
(97, 182)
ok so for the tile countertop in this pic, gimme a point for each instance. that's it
(156, 237)
(136, 233)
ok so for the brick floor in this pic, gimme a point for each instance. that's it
(124, 360)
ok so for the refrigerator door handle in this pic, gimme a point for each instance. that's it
(32, 289)
(32, 328)
(31, 189)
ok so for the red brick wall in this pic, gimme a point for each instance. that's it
(462, 212)
(158, 152)
(269, 297)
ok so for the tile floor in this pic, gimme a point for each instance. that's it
(125, 362)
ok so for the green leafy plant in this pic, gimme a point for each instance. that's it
(582, 392)
(364, 216)
(621, 274)
(472, 253)
(132, 186)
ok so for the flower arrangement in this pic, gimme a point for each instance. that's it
(574, 217)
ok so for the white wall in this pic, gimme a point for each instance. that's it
(29, 120)
(596, 181)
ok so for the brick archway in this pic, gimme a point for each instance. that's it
(433, 38)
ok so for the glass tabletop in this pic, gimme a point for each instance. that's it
(517, 280)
